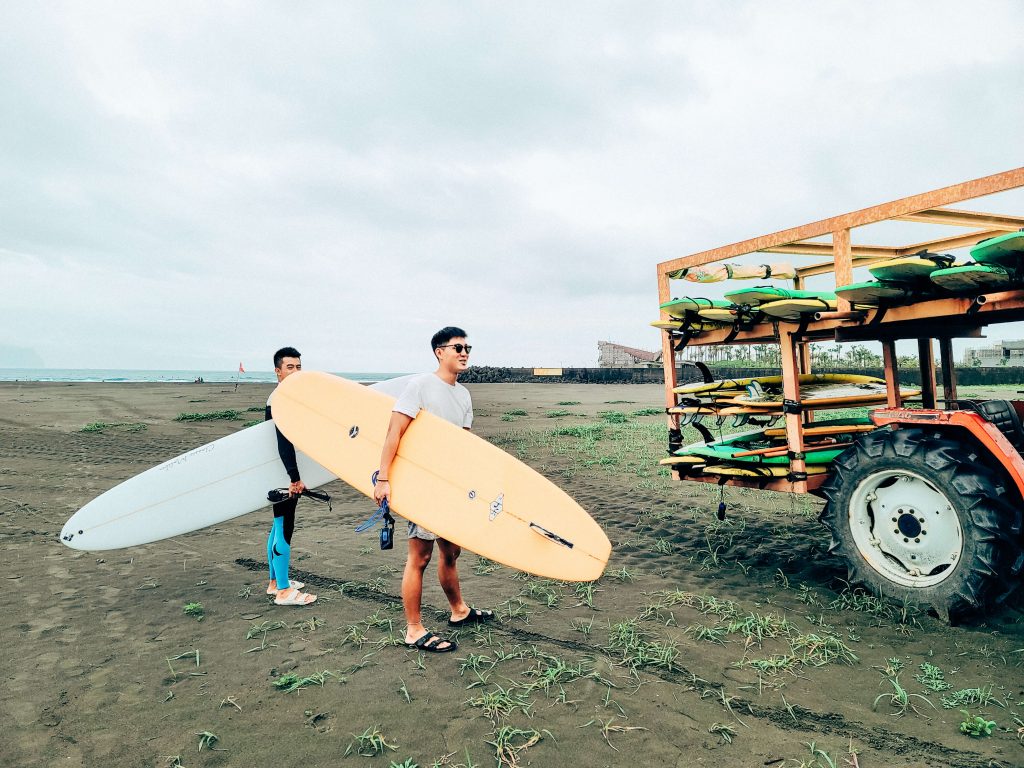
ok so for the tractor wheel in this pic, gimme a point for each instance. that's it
(920, 518)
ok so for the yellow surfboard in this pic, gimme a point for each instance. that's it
(444, 478)
(701, 387)
(762, 470)
(688, 460)
(827, 429)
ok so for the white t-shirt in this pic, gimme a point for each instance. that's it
(429, 392)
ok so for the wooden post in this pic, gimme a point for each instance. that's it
(791, 392)
(892, 374)
(668, 358)
(842, 256)
(948, 371)
(926, 360)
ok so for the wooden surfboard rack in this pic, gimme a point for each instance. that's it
(930, 321)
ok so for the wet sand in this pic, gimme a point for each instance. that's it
(706, 642)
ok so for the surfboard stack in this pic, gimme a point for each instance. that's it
(762, 395)
(759, 400)
(998, 265)
(744, 307)
(764, 452)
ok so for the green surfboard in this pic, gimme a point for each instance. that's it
(972, 277)
(1007, 250)
(872, 292)
(679, 307)
(910, 269)
(725, 450)
(764, 293)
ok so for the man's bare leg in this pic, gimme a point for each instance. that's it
(448, 575)
(416, 562)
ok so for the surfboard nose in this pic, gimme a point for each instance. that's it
(69, 535)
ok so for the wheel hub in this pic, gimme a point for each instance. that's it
(906, 528)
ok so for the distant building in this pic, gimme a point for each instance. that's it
(1004, 353)
(611, 355)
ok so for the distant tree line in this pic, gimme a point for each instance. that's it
(845, 356)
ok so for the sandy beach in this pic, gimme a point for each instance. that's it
(707, 642)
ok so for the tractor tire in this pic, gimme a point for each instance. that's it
(921, 518)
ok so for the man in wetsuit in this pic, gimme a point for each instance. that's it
(440, 394)
(287, 361)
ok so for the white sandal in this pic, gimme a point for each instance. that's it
(294, 597)
(273, 590)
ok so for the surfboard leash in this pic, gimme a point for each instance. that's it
(277, 495)
(383, 513)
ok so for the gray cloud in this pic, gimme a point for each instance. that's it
(184, 184)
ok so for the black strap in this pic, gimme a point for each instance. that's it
(277, 495)
(883, 307)
(796, 476)
(682, 339)
(675, 441)
(792, 406)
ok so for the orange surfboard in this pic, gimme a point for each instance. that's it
(444, 479)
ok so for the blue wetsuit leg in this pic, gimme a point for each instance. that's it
(280, 553)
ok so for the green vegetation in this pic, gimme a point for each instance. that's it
(932, 678)
(292, 682)
(900, 700)
(980, 696)
(194, 609)
(207, 739)
(649, 412)
(121, 426)
(228, 415)
(977, 726)
(568, 402)
(369, 743)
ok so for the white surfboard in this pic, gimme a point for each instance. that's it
(208, 485)
(205, 486)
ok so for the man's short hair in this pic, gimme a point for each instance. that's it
(284, 352)
(445, 335)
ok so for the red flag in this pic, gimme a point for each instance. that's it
(240, 368)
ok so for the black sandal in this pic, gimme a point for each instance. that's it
(431, 642)
(475, 616)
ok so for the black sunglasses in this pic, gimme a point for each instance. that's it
(458, 348)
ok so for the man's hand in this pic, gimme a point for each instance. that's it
(382, 491)
(296, 488)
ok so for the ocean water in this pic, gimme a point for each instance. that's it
(124, 375)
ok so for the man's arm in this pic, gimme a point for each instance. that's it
(396, 428)
(291, 463)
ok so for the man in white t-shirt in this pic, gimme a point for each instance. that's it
(441, 394)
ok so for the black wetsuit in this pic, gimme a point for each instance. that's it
(286, 451)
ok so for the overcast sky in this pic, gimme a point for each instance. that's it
(190, 185)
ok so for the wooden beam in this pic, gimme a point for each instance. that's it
(949, 243)
(825, 249)
(956, 193)
(959, 218)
